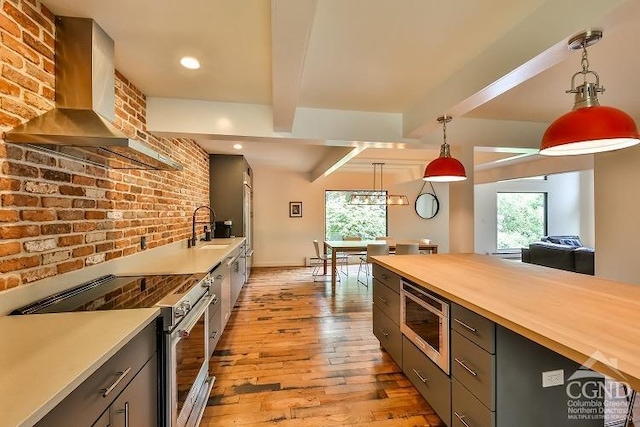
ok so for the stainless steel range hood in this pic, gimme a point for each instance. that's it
(81, 124)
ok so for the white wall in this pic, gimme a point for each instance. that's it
(283, 241)
(617, 177)
(570, 207)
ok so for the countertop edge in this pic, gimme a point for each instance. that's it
(29, 417)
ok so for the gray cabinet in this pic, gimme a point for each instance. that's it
(92, 402)
(215, 325)
(386, 311)
(497, 378)
(431, 381)
(468, 410)
(137, 404)
(103, 421)
(215, 307)
(229, 177)
(237, 273)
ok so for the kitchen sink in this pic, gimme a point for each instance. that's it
(214, 246)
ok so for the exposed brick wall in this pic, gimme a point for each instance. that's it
(57, 214)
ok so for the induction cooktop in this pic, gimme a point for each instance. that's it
(112, 292)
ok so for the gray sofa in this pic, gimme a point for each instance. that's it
(562, 252)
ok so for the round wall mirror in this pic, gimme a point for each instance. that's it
(427, 205)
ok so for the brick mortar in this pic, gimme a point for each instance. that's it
(155, 204)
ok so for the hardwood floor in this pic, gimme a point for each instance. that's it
(292, 354)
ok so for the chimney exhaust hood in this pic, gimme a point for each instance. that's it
(80, 126)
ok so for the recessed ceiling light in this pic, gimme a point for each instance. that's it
(190, 63)
(237, 146)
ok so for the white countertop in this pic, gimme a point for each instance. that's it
(44, 357)
(198, 259)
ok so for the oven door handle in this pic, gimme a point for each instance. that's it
(184, 332)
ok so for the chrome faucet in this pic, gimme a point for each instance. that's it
(212, 223)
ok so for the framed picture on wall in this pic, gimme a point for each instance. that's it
(295, 209)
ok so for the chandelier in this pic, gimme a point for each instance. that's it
(377, 196)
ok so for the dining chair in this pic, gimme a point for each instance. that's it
(365, 261)
(407, 248)
(318, 262)
(350, 254)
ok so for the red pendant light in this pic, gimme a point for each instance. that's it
(445, 168)
(590, 127)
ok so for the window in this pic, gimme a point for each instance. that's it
(342, 219)
(522, 219)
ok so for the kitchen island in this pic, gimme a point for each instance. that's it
(586, 320)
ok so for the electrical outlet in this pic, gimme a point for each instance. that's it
(143, 242)
(553, 378)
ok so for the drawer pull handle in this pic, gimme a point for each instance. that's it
(423, 379)
(384, 300)
(105, 391)
(471, 328)
(214, 335)
(464, 365)
(384, 276)
(384, 332)
(125, 411)
(214, 301)
(461, 418)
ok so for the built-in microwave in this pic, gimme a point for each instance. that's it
(424, 319)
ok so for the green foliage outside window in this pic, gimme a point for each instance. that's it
(521, 219)
(343, 219)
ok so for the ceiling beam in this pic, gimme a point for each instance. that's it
(530, 47)
(217, 120)
(291, 25)
(334, 160)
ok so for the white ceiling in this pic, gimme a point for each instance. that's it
(303, 82)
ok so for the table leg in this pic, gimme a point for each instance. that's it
(334, 269)
(324, 263)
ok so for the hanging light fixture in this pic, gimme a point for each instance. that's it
(590, 127)
(377, 197)
(445, 168)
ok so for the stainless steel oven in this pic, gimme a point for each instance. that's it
(424, 319)
(188, 377)
(186, 320)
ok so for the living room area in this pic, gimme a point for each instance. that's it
(544, 219)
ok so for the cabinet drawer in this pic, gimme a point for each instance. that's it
(478, 329)
(432, 383)
(389, 278)
(389, 335)
(474, 368)
(469, 409)
(387, 301)
(137, 405)
(215, 326)
(216, 286)
(85, 404)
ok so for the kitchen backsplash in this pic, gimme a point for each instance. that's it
(57, 214)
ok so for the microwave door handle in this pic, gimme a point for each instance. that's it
(424, 305)
(426, 294)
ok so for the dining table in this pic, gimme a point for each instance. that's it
(332, 247)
